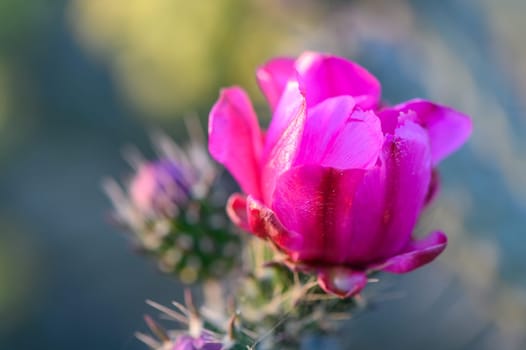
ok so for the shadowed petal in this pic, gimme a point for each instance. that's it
(235, 139)
(252, 216)
(273, 77)
(342, 281)
(447, 128)
(389, 201)
(322, 76)
(338, 136)
(418, 253)
(316, 202)
(434, 187)
(264, 223)
(236, 208)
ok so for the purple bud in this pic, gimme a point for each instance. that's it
(204, 342)
(160, 187)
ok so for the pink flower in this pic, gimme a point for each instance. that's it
(337, 182)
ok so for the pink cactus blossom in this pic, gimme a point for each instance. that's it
(337, 182)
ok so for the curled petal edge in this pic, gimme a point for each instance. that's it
(342, 281)
(236, 209)
(251, 215)
(417, 254)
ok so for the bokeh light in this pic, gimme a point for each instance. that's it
(167, 55)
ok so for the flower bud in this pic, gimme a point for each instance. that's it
(203, 342)
(160, 187)
(172, 209)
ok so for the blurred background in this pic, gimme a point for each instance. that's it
(81, 79)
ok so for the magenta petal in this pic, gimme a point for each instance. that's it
(338, 136)
(252, 216)
(418, 253)
(391, 196)
(236, 208)
(316, 202)
(341, 281)
(434, 187)
(322, 76)
(390, 119)
(263, 222)
(290, 108)
(283, 137)
(447, 128)
(273, 77)
(235, 139)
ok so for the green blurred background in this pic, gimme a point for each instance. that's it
(81, 79)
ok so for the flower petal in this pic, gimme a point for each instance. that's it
(322, 76)
(252, 216)
(417, 253)
(434, 187)
(235, 139)
(447, 128)
(283, 137)
(342, 281)
(391, 196)
(273, 76)
(263, 222)
(236, 208)
(316, 203)
(338, 136)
